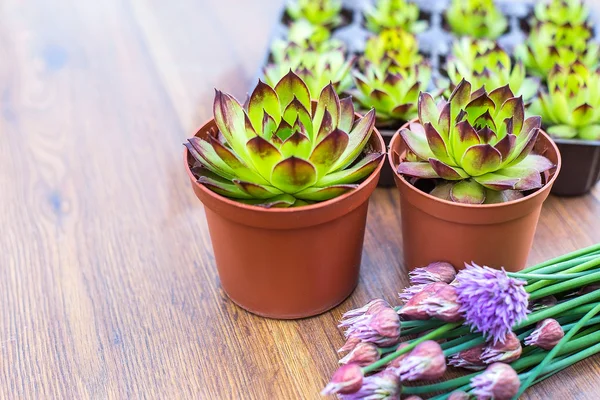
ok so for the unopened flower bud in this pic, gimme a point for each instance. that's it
(458, 395)
(426, 361)
(382, 385)
(469, 359)
(395, 363)
(507, 351)
(413, 397)
(381, 328)
(363, 354)
(438, 300)
(544, 302)
(434, 272)
(347, 379)
(499, 382)
(588, 289)
(351, 343)
(546, 335)
(370, 308)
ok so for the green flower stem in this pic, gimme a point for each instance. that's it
(569, 256)
(563, 286)
(538, 370)
(457, 341)
(464, 346)
(437, 387)
(444, 396)
(561, 266)
(566, 306)
(581, 309)
(578, 268)
(431, 335)
(551, 277)
(419, 324)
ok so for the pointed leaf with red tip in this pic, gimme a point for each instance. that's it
(427, 109)
(500, 95)
(479, 106)
(298, 145)
(437, 144)
(467, 192)
(459, 99)
(328, 151)
(280, 201)
(486, 135)
(328, 100)
(536, 162)
(257, 191)
(481, 159)
(506, 145)
(326, 127)
(529, 124)
(296, 111)
(346, 114)
(290, 87)
(206, 155)
(464, 137)
(515, 108)
(417, 169)
(359, 136)
(360, 170)
(446, 171)
(269, 126)
(583, 115)
(293, 175)
(522, 148)
(444, 122)
(263, 100)
(416, 140)
(223, 188)
(239, 167)
(324, 193)
(230, 119)
(496, 181)
(485, 120)
(263, 155)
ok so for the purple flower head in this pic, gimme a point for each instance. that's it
(499, 382)
(438, 300)
(363, 354)
(425, 361)
(381, 386)
(347, 379)
(434, 272)
(491, 301)
(507, 350)
(381, 328)
(546, 335)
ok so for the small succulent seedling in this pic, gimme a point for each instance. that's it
(316, 67)
(393, 44)
(476, 18)
(571, 105)
(561, 12)
(479, 144)
(317, 12)
(280, 150)
(394, 14)
(484, 63)
(550, 44)
(393, 94)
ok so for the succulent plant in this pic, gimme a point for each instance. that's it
(281, 150)
(316, 67)
(317, 12)
(483, 62)
(571, 106)
(394, 14)
(550, 44)
(394, 44)
(476, 18)
(305, 35)
(394, 95)
(479, 145)
(561, 12)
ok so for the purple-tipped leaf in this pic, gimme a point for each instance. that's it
(358, 138)
(506, 145)
(226, 189)
(479, 106)
(263, 155)
(537, 162)
(327, 100)
(296, 111)
(485, 120)
(360, 170)
(346, 114)
(583, 114)
(381, 98)
(298, 144)
(461, 95)
(293, 175)
(467, 192)
(290, 87)
(481, 159)
(416, 140)
(500, 95)
(446, 171)
(401, 111)
(529, 124)
(239, 167)
(269, 126)
(442, 190)
(486, 135)
(326, 127)
(257, 191)
(263, 100)
(495, 181)
(205, 154)
(230, 119)
(515, 108)
(437, 144)
(328, 151)
(324, 193)
(444, 121)
(427, 109)
(463, 138)
(523, 148)
(417, 169)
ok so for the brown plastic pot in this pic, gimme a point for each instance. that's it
(287, 262)
(496, 235)
(581, 167)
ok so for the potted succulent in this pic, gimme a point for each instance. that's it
(476, 18)
(317, 12)
(394, 14)
(389, 79)
(472, 173)
(561, 12)
(484, 63)
(570, 110)
(285, 184)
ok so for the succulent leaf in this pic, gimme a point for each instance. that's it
(257, 191)
(468, 192)
(328, 151)
(476, 18)
(417, 169)
(317, 12)
(358, 138)
(360, 170)
(324, 193)
(392, 14)
(291, 87)
(293, 174)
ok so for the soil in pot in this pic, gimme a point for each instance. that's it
(287, 263)
(581, 167)
(496, 235)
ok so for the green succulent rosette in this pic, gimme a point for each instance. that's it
(560, 12)
(549, 45)
(280, 150)
(397, 45)
(484, 63)
(477, 18)
(477, 144)
(570, 108)
(392, 92)
(305, 35)
(317, 12)
(316, 67)
(388, 14)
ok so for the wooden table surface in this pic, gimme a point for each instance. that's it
(108, 286)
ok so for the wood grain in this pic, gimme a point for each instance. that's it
(107, 282)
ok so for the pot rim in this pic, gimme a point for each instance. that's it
(288, 210)
(576, 142)
(530, 197)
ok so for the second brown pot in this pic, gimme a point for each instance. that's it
(496, 235)
(581, 167)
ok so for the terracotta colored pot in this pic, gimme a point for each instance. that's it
(496, 235)
(581, 167)
(287, 262)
